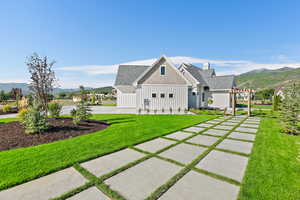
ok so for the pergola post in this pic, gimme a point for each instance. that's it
(234, 103)
(249, 102)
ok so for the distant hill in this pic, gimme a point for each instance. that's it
(266, 78)
(24, 86)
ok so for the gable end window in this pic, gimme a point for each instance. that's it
(162, 95)
(162, 70)
(171, 95)
(153, 95)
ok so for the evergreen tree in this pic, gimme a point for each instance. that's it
(290, 109)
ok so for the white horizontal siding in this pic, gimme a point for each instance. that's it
(126, 100)
(179, 100)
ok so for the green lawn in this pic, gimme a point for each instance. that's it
(273, 171)
(20, 165)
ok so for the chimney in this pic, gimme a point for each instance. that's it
(206, 66)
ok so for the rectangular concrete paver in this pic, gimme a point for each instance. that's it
(205, 125)
(225, 164)
(155, 145)
(110, 162)
(213, 122)
(196, 186)
(90, 194)
(203, 139)
(140, 181)
(179, 135)
(216, 132)
(243, 136)
(47, 187)
(194, 129)
(247, 130)
(223, 127)
(229, 123)
(184, 153)
(250, 125)
(237, 146)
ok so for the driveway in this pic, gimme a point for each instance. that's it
(205, 161)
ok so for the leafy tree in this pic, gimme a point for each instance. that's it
(62, 95)
(42, 78)
(265, 94)
(290, 109)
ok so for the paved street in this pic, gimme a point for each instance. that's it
(217, 152)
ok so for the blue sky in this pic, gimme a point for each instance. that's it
(88, 39)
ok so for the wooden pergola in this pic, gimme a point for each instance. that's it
(233, 93)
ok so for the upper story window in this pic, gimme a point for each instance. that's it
(153, 95)
(171, 95)
(162, 95)
(162, 70)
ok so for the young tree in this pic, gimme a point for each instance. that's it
(42, 79)
(290, 109)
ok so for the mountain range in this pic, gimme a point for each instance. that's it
(255, 79)
(25, 89)
(267, 78)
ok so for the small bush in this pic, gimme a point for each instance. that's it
(6, 108)
(162, 110)
(171, 110)
(22, 113)
(179, 109)
(35, 121)
(54, 109)
(81, 113)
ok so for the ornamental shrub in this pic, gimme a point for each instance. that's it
(276, 101)
(22, 113)
(35, 121)
(82, 112)
(6, 108)
(54, 109)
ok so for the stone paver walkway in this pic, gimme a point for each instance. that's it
(205, 161)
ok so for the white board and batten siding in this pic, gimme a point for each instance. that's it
(179, 100)
(126, 100)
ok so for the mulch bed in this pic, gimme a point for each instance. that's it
(12, 134)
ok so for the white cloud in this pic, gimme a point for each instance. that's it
(224, 66)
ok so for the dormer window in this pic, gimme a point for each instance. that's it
(162, 70)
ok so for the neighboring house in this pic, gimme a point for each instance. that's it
(280, 92)
(164, 86)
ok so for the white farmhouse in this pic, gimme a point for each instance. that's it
(163, 86)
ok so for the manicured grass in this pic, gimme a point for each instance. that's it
(21, 165)
(258, 106)
(273, 170)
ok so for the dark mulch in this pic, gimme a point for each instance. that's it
(12, 134)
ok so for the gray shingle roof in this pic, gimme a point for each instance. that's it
(127, 74)
(221, 82)
(209, 78)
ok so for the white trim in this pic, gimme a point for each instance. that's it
(167, 61)
(181, 67)
(177, 85)
(165, 70)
